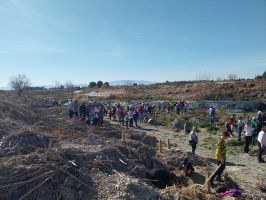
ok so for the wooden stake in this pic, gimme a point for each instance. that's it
(185, 127)
(123, 133)
(207, 186)
(210, 176)
(160, 146)
(168, 143)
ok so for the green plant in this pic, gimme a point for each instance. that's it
(234, 142)
(185, 117)
(147, 97)
(212, 129)
(204, 124)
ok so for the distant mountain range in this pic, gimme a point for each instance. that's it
(127, 82)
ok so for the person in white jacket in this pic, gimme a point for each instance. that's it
(130, 116)
(261, 142)
(248, 136)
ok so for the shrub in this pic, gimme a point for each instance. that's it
(212, 129)
(147, 97)
(234, 142)
(185, 117)
(204, 124)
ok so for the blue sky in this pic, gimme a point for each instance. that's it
(90, 40)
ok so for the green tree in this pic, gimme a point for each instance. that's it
(263, 76)
(106, 85)
(92, 84)
(259, 77)
(99, 84)
(19, 83)
(135, 84)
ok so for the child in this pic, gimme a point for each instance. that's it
(229, 125)
(254, 124)
(121, 117)
(220, 157)
(187, 167)
(193, 139)
(126, 120)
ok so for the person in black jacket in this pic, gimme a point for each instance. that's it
(159, 177)
(136, 117)
(82, 110)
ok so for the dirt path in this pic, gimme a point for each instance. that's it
(244, 170)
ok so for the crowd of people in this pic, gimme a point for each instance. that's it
(249, 126)
(254, 128)
(128, 114)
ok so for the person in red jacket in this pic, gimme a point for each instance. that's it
(110, 113)
(122, 116)
(168, 107)
(229, 125)
(141, 114)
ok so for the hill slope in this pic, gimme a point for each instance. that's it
(230, 90)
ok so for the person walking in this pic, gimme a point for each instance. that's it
(193, 139)
(220, 157)
(261, 142)
(229, 126)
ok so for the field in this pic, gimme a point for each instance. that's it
(46, 155)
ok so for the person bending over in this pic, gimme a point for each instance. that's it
(187, 167)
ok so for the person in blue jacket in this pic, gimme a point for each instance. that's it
(187, 167)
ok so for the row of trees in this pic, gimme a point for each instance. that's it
(99, 84)
(21, 83)
(207, 76)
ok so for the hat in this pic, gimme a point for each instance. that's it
(260, 113)
(253, 118)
